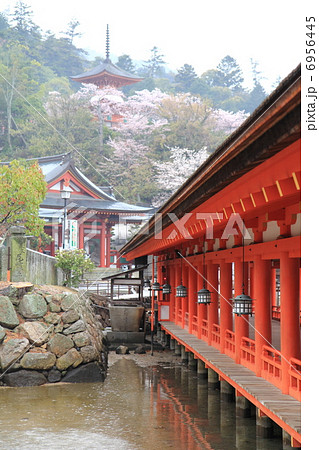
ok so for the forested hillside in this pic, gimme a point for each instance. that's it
(172, 121)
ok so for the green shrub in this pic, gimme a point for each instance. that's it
(73, 264)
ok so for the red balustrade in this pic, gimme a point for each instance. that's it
(179, 317)
(205, 330)
(271, 368)
(295, 378)
(230, 343)
(276, 310)
(248, 353)
(195, 325)
(186, 323)
(216, 336)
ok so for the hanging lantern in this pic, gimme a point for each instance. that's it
(203, 296)
(156, 286)
(242, 304)
(147, 283)
(166, 288)
(181, 291)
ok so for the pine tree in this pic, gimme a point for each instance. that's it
(125, 62)
(229, 74)
(153, 66)
(185, 77)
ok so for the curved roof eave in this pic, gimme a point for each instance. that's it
(109, 68)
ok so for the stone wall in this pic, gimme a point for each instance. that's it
(48, 335)
(26, 264)
(40, 269)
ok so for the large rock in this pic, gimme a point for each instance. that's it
(52, 318)
(54, 376)
(36, 332)
(81, 339)
(88, 373)
(88, 353)
(24, 378)
(60, 344)
(69, 301)
(38, 361)
(70, 358)
(2, 334)
(33, 306)
(11, 350)
(76, 327)
(70, 316)
(8, 316)
(54, 306)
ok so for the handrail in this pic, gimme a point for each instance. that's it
(204, 330)
(194, 325)
(295, 378)
(276, 312)
(215, 336)
(230, 346)
(271, 368)
(248, 353)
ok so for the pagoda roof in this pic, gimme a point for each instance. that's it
(107, 71)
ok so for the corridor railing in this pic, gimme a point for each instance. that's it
(271, 365)
(204, 330)
(230, 343)
(295, 378)
(248, 353)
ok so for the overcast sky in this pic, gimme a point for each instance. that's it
(198, 33)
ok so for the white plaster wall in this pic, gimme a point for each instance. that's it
(296, 228)
(272, 232)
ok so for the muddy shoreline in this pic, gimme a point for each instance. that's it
(146, 359)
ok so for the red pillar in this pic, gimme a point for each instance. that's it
(273, 289)
(226, 318)
(289, 321)
(212, 286)
(191, 292)
(177, 299)
(108, 246)
(200, 307)
(102, 245)
(241, 322)
(262, 289)
(81, 235)
(184, 300)
(173, 294)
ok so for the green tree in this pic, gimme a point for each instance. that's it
(71, 32)
(153, 66)
(189, 123)
(228, 74)
(73, 264)
(22, 189)
(62, 57)
(125, 62)
(186, 75)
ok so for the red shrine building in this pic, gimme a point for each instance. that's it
(91, 211)
(231, 300)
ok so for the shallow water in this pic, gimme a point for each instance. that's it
(158, 407)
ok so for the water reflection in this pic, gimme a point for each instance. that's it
(158, 407)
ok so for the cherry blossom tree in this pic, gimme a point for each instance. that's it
(173, 173)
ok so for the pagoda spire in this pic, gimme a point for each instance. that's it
(107, 53)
